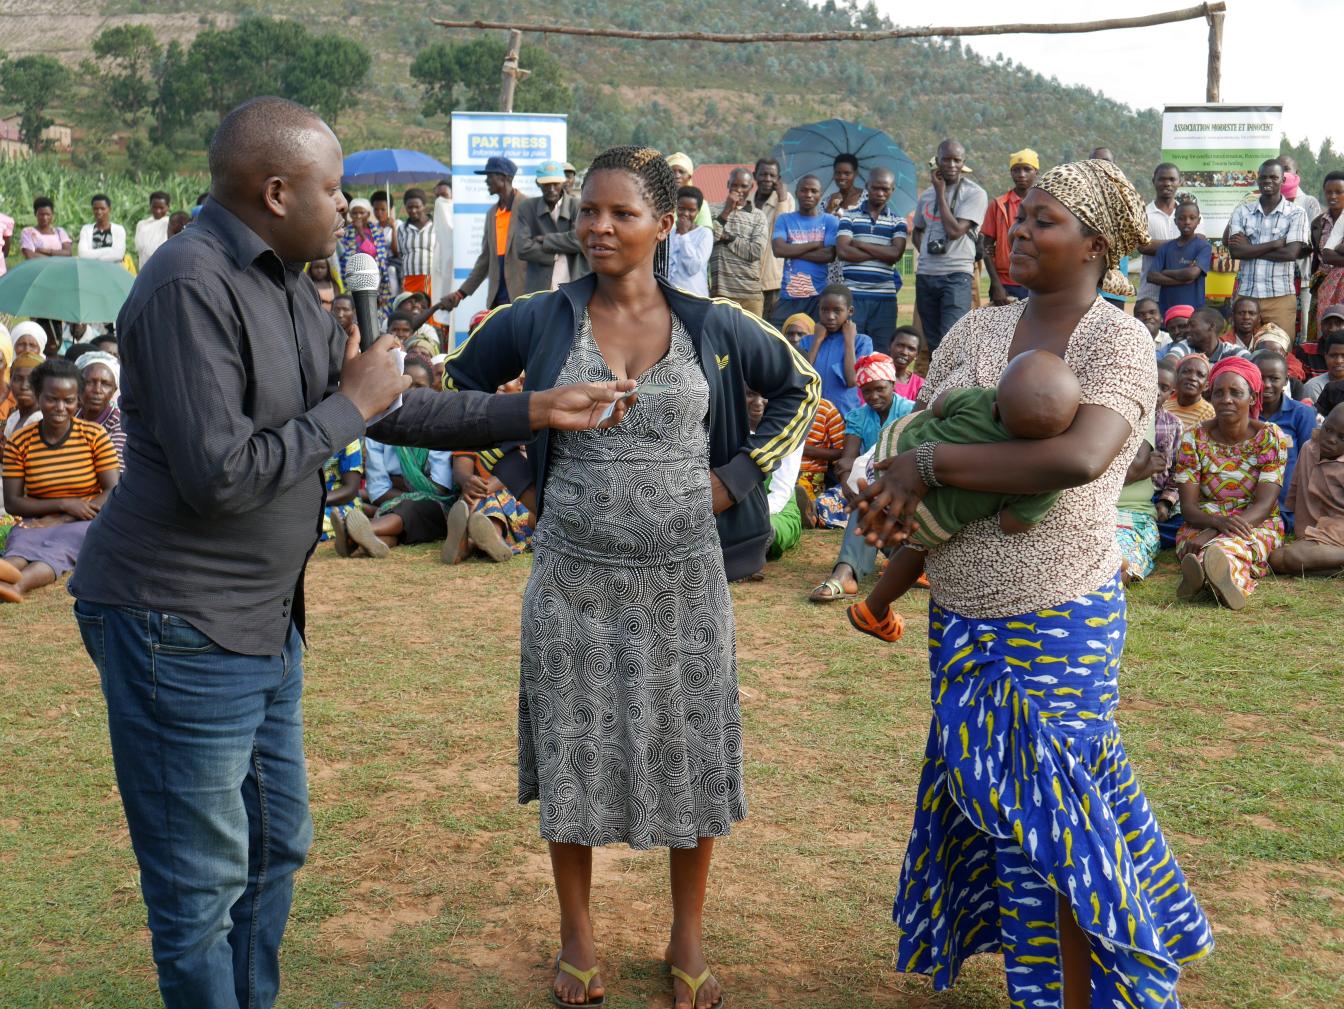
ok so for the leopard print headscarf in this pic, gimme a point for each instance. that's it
(1099, 195)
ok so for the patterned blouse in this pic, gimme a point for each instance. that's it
(110, 421)
(981, 572)
(1228, 474)
(1168, 431)
(351, 242)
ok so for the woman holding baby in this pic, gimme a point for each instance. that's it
(1031, 835)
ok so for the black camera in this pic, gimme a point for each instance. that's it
(936, 247)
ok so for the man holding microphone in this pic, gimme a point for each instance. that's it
(236, 387)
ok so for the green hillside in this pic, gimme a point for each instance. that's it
(717, 102)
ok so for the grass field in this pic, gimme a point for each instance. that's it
(428, 887)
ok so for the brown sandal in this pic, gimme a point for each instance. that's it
(889, 629)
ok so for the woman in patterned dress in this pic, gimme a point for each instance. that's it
(361, 236)
(1230, 470)
(1031, 835)
(628, 721)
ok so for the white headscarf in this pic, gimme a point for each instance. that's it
(32, 329)
(101, 357)
(359, 203)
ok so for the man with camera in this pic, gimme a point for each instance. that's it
(947, 221)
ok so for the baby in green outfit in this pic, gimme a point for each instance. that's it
(1037, 397)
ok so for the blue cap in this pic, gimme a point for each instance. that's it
(550, 171)
(498, 166)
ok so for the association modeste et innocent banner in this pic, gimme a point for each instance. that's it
(1219, 149)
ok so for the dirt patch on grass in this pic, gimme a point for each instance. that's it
(379, 909)
(1252, 892)
(445, 1001)
(1260, 821)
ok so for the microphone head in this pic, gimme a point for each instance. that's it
(360, 273)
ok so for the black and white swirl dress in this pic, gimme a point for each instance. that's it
(628, 720)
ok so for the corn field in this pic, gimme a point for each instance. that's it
(70, 188)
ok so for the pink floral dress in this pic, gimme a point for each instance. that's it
(1227, 476)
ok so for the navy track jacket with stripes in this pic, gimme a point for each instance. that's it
(736, 350)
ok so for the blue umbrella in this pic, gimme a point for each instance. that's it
(811, 150)
(369, 168)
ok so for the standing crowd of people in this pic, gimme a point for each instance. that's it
(1026, 461)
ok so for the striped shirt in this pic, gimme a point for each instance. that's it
(416, 246)
(1264, 278)
(69, 468)
(110, 421)
(735, 265)
(872, 278)
(828, 431)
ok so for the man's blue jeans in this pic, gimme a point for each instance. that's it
(855, 550)
(877, 318)
(208, 750)
(787, 306)
(941, 302)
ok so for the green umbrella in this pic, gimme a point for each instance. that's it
(65, 288)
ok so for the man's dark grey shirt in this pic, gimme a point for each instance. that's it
(229, 401)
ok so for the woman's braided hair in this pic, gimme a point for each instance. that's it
(655, 178)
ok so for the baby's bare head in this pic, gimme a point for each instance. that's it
(1038, 395)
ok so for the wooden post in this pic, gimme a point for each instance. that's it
(509, 73)
(1215, 78)
(1204, 10)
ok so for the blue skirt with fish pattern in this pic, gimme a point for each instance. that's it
(1025, 794)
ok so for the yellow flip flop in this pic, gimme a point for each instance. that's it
(694, 983)
(584, 977)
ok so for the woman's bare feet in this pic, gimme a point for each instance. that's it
(10, 593)
(579, 952)
(688, 955)
(360, 531)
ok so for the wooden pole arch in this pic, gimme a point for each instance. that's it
(1213, 12)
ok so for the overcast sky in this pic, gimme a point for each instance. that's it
(1152, 67)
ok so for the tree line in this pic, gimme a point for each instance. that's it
(170, 98)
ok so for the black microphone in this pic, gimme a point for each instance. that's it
(361, 280)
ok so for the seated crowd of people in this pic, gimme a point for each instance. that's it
(1241, 399)
(1240, 472)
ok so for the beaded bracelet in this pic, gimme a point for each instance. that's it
(924, 461)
